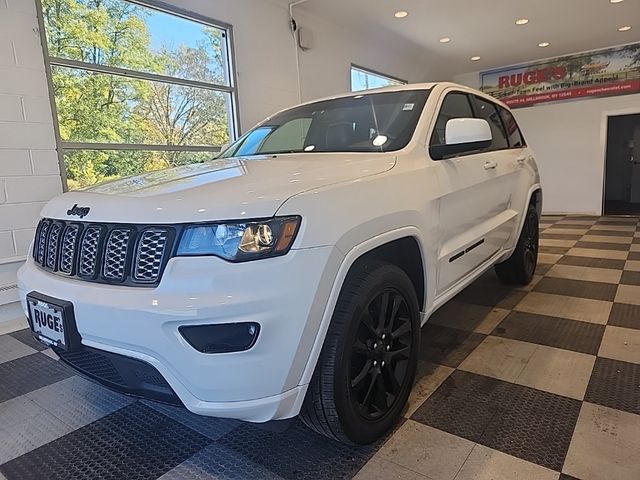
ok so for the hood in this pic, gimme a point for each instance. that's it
(225, 189)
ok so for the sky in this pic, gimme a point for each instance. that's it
(172, 31)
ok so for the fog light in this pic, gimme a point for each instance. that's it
(221, 338)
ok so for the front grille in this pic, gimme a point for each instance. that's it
(105, 253)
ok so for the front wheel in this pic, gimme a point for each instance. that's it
(520, 267)
(368, 362)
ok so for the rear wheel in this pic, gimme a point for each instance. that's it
(520, 267)
(368, 361)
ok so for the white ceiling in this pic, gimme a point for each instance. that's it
(487, 27)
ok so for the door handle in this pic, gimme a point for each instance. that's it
(490, 165)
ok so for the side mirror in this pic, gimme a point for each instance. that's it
(463, 135)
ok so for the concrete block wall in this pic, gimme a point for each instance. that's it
(29, 170)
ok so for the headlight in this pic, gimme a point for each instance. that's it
(239, 242)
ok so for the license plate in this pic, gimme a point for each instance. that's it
(47, 322)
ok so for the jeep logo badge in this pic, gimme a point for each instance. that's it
(78, 211)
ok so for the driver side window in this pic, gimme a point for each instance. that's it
(455, 105)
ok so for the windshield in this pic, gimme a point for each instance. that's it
(371, 122)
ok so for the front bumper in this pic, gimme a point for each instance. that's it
(285, 295)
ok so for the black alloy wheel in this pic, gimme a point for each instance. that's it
(365, 372)
(380, 354)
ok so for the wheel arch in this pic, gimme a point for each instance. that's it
(386, 247)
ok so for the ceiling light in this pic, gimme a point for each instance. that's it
(445, 40)
(616, 1)
(475, 59)
(401, 14)
(543, 44)
(626, 28)
(522, 21)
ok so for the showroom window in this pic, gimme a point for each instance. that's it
(136, 87)
(363, 79)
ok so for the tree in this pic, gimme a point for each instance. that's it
(102, 108)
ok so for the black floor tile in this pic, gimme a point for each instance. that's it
(559, 236)
(634, 256)
(636, 240)
(609, 233)
(613, 221)
(615, 384)
(622, 247)
(537, 426)
(567, 226)
(29, 373)
(447, 346)
(624, 315)
(543, 268)
(554, 250)
(577, 288)
(564, 476)
(297, 453)
(463, 405)
(562, 333)
(524, 422)
(586, 218)
(592, 262)
(630, 278)
(26, 337)
(500, 297)
(135, 442)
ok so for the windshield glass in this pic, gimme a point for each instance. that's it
(371, 122)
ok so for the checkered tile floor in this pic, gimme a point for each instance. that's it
(541, 382)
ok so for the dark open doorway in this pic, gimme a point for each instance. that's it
(622, 176)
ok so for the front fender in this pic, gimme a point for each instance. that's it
(350, 257)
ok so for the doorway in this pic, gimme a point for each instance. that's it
(622, 174)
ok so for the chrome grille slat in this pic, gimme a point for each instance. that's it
(149, 255)
(115, 255)
(105, 253)
(89, 251)
(68, 252)
(42, 241)
(53, 244)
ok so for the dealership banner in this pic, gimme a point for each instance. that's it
(613, 71)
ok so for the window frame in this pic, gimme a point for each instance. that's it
(370, 71)
(50, 61)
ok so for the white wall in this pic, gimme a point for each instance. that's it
(326, 67)
(569, 140)
(29, 173)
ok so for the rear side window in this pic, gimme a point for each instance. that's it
(455, 105)
(489, 112)
(513, 131)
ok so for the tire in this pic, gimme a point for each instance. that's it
(521, 266)
(352, 397)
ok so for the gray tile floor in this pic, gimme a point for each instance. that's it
(528, 383)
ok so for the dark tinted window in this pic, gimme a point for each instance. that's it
(455, 105)
(489, 112)
(370, 122)
(510, 125)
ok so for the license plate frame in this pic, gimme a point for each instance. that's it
(70, 336)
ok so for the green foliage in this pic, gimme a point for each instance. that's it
(101, 108)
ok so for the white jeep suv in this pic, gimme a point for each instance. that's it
(292, 274)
